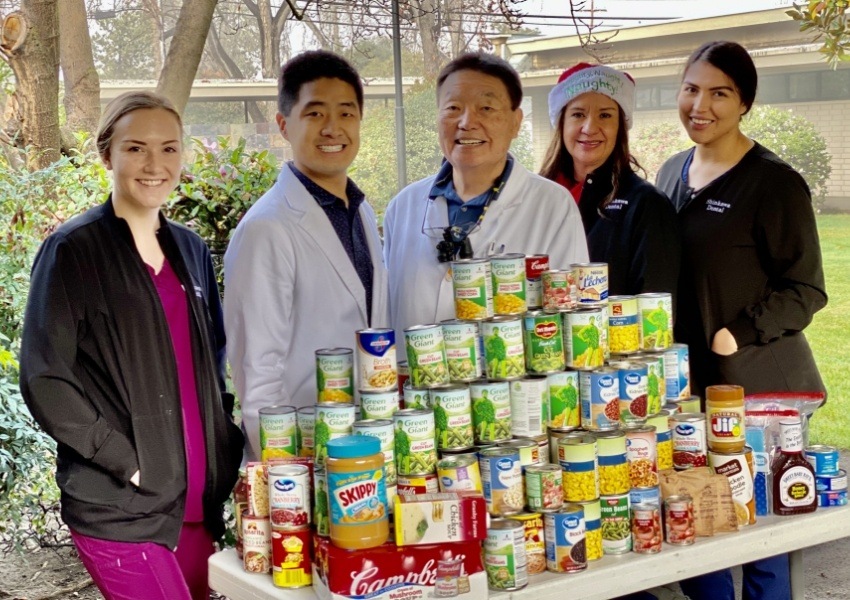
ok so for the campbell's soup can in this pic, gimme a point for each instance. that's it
(690, 445)
(566, 547)
(600, 399)
(738, 469)
(256, 543)
(584, 338)
(459, 473)
(508, 284)
(505, 558)
(592, 282)
(335, 374)
(463, 356)
(376, 360)
(292, 565)
(418, 483)
(677, 372)
(278, 436)
(535, 265)
(426, 355)
(473, 289)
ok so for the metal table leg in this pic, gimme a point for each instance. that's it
(798, 575)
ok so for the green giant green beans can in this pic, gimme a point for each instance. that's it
(415, 442)
(504, 349)
(426, 355)
(491, 410)
(462, 349)
(452, 407)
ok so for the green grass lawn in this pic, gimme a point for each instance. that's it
(829, 334)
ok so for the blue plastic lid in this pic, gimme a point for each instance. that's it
(353, 446)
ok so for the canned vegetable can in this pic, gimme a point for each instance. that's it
(656, 320)
(415, 441)
(335, 374)
(616, 524)
(278, 435)
(504, 349)
(564, 407)
(583, 337)
(505, 558)
(508, 284)
(491, 410)
(623, 329)
(426, 355)
(462, 350)
(452, 407)
(544, 342)
(529, 406)
(473, 289)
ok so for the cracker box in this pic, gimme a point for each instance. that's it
(390, 572)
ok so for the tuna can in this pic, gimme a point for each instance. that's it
(544, 342)
(378, 405)
(256, 543)
(832, 483)
(677, 372)
(633, 392)
(292, 565)
(376, 360)
(584, 342)
(623, 329)
(593, 527)
(501, 476)
(452, 407)
(462, 350)
(826, 499)
(333, 420)
(289, 496)
(824, 459)
(504, 349)
(642, 453)
(508, 284)
(592, 282)
(278, 426)
(321, 516)
(535, 544)
(656, 320)
(656, 387)
(473, 289)
(614, 476)
(383, 430)
(529, 406)
(459, 474)
(559, 290)
(663, 439)
(564, 407)
(305, 421)
(646, 528)
(418, 483)
(600, 399)
(528, 448)
(535, 265)
(615, 514)
(577, 457)
(689, 441)
(335, 374)
(415, 441)
(416, 397)
(679, 527)
(491, 410)
(543, 488)
(505, 558)
(645, 495)
(566, 546)
(426, 355)
(738, 469)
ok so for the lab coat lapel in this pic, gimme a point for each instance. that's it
(486, 236)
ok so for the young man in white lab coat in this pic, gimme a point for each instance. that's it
(482, 201)
(303, 270)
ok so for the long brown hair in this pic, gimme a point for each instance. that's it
(558, 159)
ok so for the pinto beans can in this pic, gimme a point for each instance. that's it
(463, 356)
(600, 399)
(690, 446)
(256, 543)
(426, 355)
(592, 282)
(566, 547)
(376, 360)
(473, 289)
(535, 265)
(292, 565)
(335, 374)
(504, 348)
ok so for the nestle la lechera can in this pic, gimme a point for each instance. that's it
(376, 360)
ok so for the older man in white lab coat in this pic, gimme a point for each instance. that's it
(482, 201)
(303, 270)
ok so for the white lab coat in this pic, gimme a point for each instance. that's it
(532, 215)
(290, 289)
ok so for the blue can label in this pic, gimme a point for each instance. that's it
(832, 498)
(824, 459)
(677, 373)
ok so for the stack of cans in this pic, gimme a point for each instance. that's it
(830, 480)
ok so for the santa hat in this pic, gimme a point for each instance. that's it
(583, 78)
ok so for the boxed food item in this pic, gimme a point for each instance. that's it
(389, 572)
(439, 518)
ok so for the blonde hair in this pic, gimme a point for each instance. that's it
(125, 104)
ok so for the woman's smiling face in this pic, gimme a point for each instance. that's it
(591, 123)
(710, 106)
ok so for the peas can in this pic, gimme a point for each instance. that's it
(278, 435)
(508, 284)
(376, 360)
(633, 392)
(559, 290)
(462, 350)
(535, 265)
(656, 320)
(566, 547)
(592, 282)
(677, 372)
(452, 407)
(305, 421)
(459, 474)
(600, 399)
(623, 329)
(593, 526)
(501, 476)
(378, 405)
(383, 430)
(415, 441)
(505, 558)
(642, 453)
(544, 342)
(335, 374)
(529, 406)
(577, 455)
(426, 355)
(473, 289)
(613, 462)
(333, 420)
(583, 338)
(615, 513)
(491, 410)
(544, 487)
(564, 407)
(504, 350)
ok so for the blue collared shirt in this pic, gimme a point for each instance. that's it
(348, 225)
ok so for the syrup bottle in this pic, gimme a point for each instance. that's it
(793, 477)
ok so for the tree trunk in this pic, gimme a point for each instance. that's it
(82, 84)
(220, 56)
(35, 63)
(154, 11)
(425, 19)
(185, 50)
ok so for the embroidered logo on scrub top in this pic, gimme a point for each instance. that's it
(617, 204)
(717, 206)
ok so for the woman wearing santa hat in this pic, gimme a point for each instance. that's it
(629, 224)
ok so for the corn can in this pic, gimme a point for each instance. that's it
(473, 289)
(335, 374)
(623, 328)
(508, 284)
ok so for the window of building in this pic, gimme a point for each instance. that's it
(835, 85)
(646, 98)
(667, 96)
(803, 86)
(773, 89)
